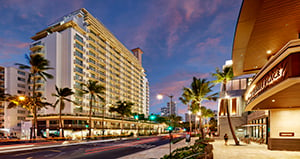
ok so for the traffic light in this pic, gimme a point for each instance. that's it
(87, 126)
(170, 128)
(136, 117)
(152, 117)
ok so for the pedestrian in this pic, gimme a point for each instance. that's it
(226, 139)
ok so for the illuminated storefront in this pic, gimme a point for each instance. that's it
(267, 43)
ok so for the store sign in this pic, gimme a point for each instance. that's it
(286, 134)
(273, 77)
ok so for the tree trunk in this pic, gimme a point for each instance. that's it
(201, 128)
(195, 125)
(34, 108)
(90, 117)
(122, 125)
(60, 121)
(34, 123)
(190, 118)
(200, 123)
(230, 125)
(190, 122)
(228, 116)
(103, 114)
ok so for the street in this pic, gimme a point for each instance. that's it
(106, 150)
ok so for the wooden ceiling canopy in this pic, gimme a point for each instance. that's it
(263, 28)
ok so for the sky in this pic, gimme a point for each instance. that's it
(181, 39)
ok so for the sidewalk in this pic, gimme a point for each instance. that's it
(249, 151)
(157, 152)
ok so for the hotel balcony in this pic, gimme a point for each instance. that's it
(36, 47)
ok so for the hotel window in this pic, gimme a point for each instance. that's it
(78, 69)
(236, 84)
(243, 83)
(78, 77)
(79, 38)
(93, 33)
(90, 38)
(92, 68)
(92, 54)
(21, 111)
(79, 54)
(21, 85)
(93, 75)
(21, 118)
(20, 92)
(233, 106)
(79, 62)
(21, 79)
(80, 47)
(77, 85)
(92, 61)
(91, 46)
(222, 110)
(21, 73)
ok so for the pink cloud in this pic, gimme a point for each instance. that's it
(208, 52)
(182, 111)
(210, 104)
(174, 17)
(40, 14)
(9, 48)
(209, 43)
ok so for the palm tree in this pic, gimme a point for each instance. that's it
(185, 99)
(207, 113)
(199, 91)
(27, 102)
(123, 108)
(62, 94)
(223, 77)
(94, 90)
(174, 120)
(38, 66)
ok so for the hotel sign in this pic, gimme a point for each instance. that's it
(272, 78)
(286, 134)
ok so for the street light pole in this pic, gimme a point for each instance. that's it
(189, 112)
(171, 102)
(170, 131)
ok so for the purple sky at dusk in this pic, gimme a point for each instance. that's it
(180, 38)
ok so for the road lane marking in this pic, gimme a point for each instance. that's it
(55, 150)
(131, 144)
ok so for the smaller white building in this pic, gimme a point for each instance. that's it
(15, 83)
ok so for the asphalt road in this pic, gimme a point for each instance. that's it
(107, 150)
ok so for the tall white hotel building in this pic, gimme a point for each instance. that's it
(80, 48)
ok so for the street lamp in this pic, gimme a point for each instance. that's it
(170, 128)
(160, 97)
(21, 98)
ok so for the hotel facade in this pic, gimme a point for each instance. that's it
(267, 43)
(13, 81)
(80, 48)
